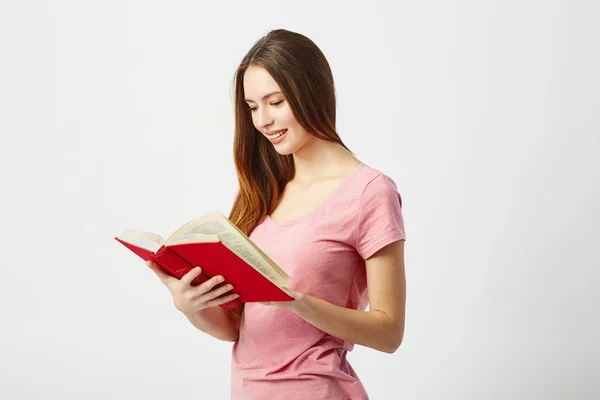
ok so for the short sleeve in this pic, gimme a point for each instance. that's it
(380, 220)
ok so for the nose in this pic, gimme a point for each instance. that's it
(263, 118)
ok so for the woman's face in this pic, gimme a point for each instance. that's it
(271, 113)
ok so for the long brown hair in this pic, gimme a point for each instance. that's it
(302, 72)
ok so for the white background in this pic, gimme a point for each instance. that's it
(119, 114)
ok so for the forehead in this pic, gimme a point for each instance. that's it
(258, 82)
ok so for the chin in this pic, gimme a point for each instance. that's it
(287, 147)
(284, 150)
(291, 146)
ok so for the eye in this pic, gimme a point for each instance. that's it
(276, 103)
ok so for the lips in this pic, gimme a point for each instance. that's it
(277, 137)
(274, 133)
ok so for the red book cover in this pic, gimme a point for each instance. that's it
(215, 259)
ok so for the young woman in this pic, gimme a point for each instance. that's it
(332, 222)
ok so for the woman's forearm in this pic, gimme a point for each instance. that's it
(373, 329)
(217, 322)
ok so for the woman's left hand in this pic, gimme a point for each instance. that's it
(298, 298)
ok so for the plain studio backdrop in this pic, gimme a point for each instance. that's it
(119, 114)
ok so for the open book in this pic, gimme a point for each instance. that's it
(215, 244)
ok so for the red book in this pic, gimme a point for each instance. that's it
(215, 244)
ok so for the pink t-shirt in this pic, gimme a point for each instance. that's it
(279, 355)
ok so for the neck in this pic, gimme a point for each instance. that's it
(320, 159)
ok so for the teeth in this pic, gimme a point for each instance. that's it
(275, 136)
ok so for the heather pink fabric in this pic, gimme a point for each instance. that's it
(279, 355)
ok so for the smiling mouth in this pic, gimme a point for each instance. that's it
(277, 134)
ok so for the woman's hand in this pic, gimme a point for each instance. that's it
(190, 299)
(293, 304)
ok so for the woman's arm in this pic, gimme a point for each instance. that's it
(217, 322)
(380, 328)
(200, 304)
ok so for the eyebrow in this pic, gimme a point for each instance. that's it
(264, 97)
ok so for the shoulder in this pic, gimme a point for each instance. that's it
(364, 185)
(374, 183)
(368, 191)
(377, 188)
(379, 220)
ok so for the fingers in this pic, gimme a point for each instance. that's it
(187, 279)
(159, 272)
(207, 286)
(222, 300)
(216, 292)
(206, 294)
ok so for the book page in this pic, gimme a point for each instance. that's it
(193, 237)
(278, 270)
(147, 240)
(235, 240)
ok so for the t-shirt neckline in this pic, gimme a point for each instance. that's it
(321, 205)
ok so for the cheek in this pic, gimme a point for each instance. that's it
(288, 118)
